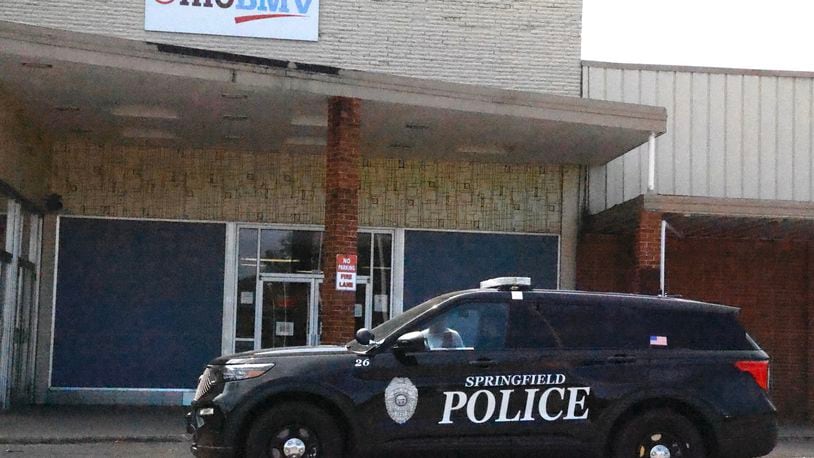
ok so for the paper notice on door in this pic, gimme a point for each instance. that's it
(380, 302)
(246, 297)
(357, 310)
(284, 328)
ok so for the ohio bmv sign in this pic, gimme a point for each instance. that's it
(286, 19)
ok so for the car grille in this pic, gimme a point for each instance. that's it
(205, 384)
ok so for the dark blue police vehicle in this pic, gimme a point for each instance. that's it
(503, 368)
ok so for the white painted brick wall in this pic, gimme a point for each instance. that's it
(514, 44)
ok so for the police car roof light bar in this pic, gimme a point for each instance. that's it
(507, 283)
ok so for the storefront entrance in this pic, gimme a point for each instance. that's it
(289, 315)
(279, 280)
(286, 317)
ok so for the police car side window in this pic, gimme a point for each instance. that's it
(696, 330)
(595, 326)
(530, 327)
(469, 326)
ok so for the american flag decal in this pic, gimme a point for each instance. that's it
(658, 341)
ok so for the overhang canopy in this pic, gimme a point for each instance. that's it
(128, 92)
(712, 217)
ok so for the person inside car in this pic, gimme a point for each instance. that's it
(440, 337)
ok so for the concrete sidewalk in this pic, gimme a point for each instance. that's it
(88, 424)
(94, 424)
(796, 432)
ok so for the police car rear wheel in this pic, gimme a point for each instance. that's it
(294, 431)
(659, 433)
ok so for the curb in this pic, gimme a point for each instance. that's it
(91, 439)
(795, 438)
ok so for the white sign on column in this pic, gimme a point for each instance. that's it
(284, 19)
(345, 272)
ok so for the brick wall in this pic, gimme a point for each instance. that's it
(530, 45)
(770, 280)
(647, 253)
(283, 188)
(604, 263)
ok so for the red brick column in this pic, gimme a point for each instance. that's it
(647, 253)
(342, 162)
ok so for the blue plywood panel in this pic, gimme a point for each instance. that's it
(439, 262)
(139, 303)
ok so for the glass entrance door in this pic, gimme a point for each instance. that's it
(285, 314)
(284, 320)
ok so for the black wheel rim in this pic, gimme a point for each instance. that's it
(679, 448)
(294, 431)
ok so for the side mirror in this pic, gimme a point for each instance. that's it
(364, 336)
(412, 342)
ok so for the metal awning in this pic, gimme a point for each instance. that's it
(712, 217)
(128, 92)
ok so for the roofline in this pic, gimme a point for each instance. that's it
(83, 48)
(728, 206)
(693, 69)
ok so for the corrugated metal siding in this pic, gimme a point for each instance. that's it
(728, 135)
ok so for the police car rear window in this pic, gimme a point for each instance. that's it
(695, 330)
(581, 326)
(596, 323)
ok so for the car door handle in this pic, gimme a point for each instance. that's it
(619, 359)
(482, 362)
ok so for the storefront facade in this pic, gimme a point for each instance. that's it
(246, 284)
(200, 198)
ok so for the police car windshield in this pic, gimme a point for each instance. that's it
(385, 329)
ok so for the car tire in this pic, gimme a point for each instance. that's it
(295, 424)
(657, 430)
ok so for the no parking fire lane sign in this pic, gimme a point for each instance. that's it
(345, 272)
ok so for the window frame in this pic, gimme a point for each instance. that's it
(232, 274)
(420, 322)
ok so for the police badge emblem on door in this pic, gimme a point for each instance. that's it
(401, 398)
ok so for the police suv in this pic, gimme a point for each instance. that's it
(502, 368)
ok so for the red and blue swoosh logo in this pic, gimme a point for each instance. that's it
(248, 18)
(257, 17)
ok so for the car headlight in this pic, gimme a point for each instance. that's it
(243, 371)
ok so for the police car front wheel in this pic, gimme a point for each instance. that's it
(294, 431)
(659, 433)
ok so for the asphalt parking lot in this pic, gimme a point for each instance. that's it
(786, 449)
(794, 449)
(104, 431)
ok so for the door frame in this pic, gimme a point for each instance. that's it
(367, 307)
(312, 334)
